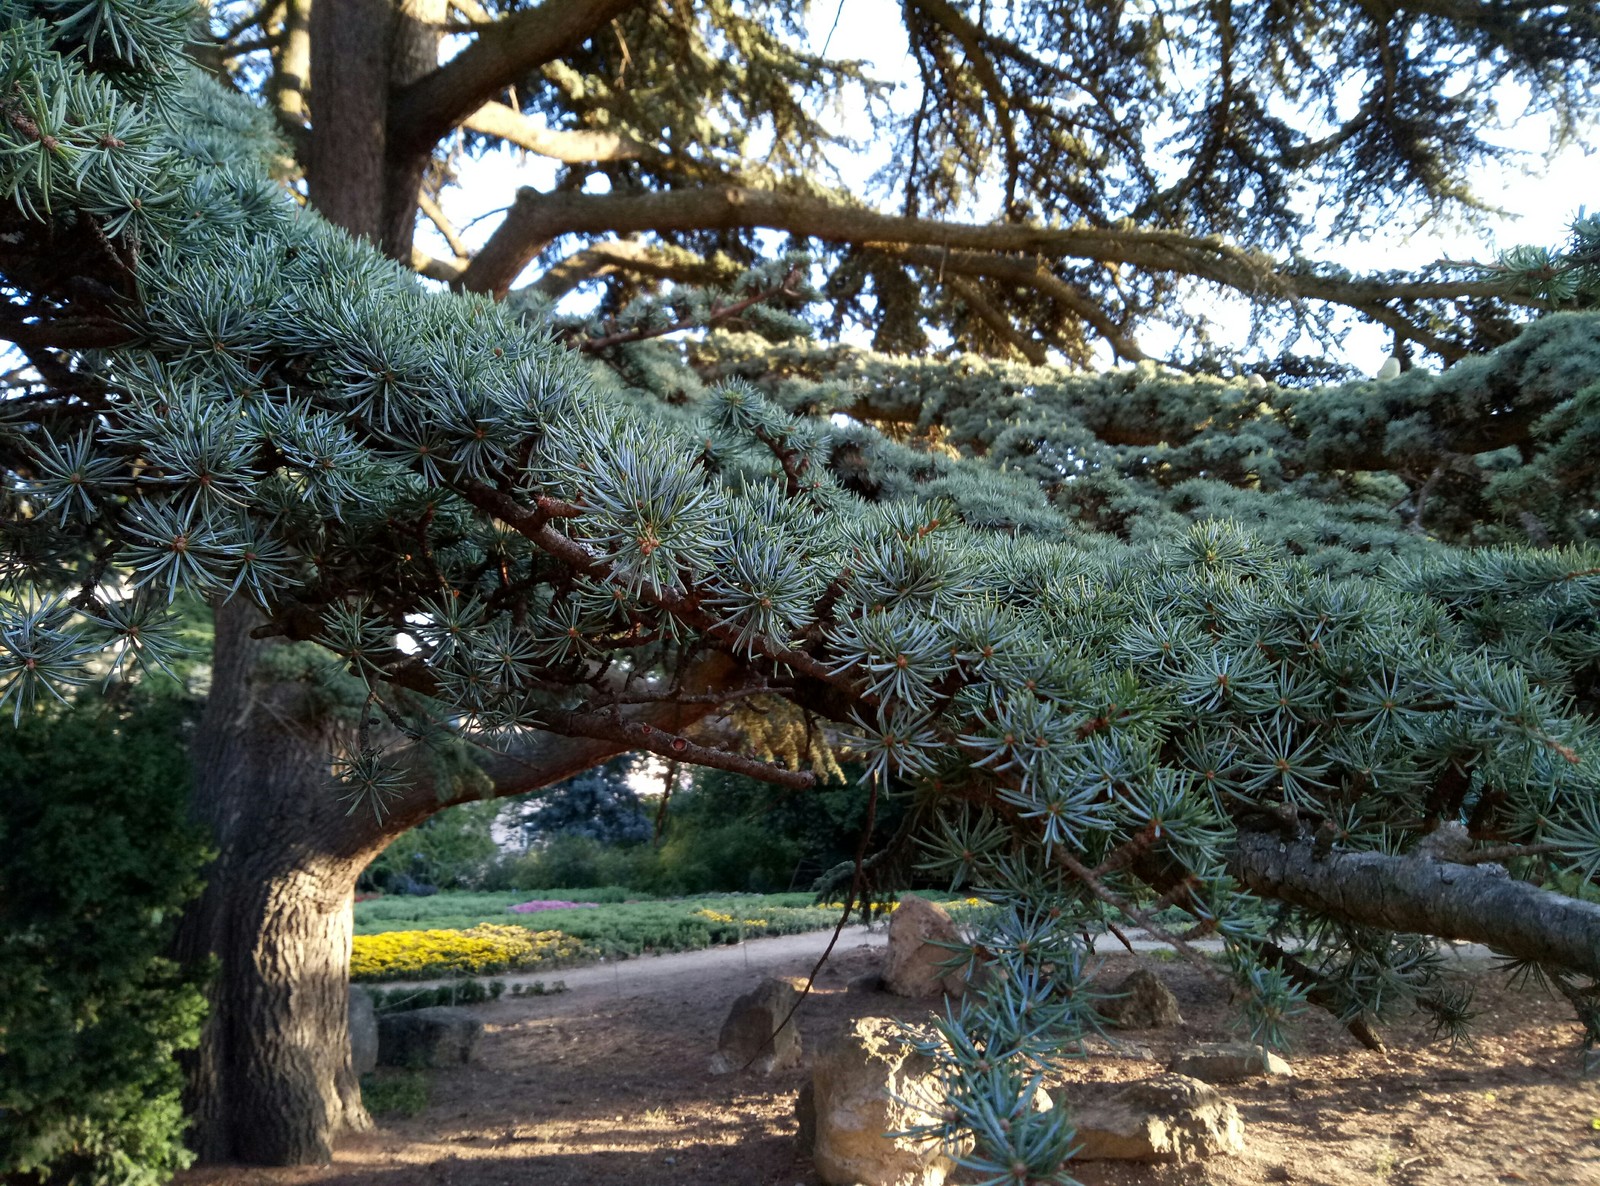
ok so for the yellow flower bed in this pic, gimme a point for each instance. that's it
(718, 916)
(891, 907)
(485, 948)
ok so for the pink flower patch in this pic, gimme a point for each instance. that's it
(547, 904)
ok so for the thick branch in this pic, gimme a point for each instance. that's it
(536, 219)
(574, 148)
(434, 268)
(503, 53)
(68, 333)
(535, 760)
(642, 735)
(1477, 903)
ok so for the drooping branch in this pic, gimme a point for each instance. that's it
(1029, 273)
(1477, 903)
(421, 114)
(972, 41)
(626, 255)
(997, 321)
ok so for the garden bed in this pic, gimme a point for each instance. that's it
(479, 934)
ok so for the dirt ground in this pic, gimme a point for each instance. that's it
(602, 1088)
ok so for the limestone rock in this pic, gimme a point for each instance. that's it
(437, 1037)
(1229, 1062)
(1166, 1118)
(865, 1083)
(760, 1032)
(363, 1031)
(911, 969)
(1141, 1002)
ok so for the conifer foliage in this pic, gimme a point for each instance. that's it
(1104, 693)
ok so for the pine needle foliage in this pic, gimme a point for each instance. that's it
(1095, 652)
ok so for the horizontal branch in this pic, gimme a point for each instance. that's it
(444, 270)
(642, 735)
(534, 760)
(501, 55)
(536, 219)
(68, 333)
(1413, 894)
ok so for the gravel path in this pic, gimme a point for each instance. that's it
(660, 973)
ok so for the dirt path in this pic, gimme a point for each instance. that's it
(609, 1084)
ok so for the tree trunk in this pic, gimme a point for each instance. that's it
(271, 1083)
(360, 51)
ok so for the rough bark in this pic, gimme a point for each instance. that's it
(501, 56)
(347, 155)
(1477, 903)
(413, 52)
(271, 1083)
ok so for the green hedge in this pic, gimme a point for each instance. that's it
(99, 861)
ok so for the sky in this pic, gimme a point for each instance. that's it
(1539, 197)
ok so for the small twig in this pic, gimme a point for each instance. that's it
(718, 313)
(1086, 875)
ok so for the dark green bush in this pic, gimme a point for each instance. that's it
(454, 850)
(458, 992)
(99, 861)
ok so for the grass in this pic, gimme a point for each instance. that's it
(395, 1093)
(612, 929)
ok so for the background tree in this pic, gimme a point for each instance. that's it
(284, 419)
(599, 804)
